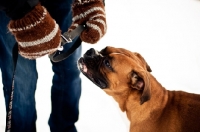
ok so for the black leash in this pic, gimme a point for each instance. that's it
(67, 37)
(9, 113)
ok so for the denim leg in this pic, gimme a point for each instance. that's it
(66, 88)
(65, 94)
(23, 112)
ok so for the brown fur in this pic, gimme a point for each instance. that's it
(153, 108)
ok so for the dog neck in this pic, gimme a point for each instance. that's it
(120, 96)
(129, 99)
(158, 100)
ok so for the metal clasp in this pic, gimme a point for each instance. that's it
(67, 40)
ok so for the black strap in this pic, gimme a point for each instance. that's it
(9, 113)
(56, 57)
(67, 37)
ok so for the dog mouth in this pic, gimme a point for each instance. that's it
(90, 75)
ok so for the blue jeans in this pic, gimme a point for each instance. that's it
(66, 88)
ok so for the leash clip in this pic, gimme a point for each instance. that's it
(66, 38)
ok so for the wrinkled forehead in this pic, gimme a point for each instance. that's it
(135, 57)
(118, 55)
(122, 56)
(117, 59)
(111, 50)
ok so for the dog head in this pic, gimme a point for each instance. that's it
(117, 69)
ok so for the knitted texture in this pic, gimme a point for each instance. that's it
(92, 14)
(37, 33)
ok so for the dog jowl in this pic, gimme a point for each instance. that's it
(90, 64)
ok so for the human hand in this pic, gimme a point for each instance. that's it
(37, 33)
(92, 14)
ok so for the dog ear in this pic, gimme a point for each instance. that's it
(141, 81)
(146, 94)
(136, 82)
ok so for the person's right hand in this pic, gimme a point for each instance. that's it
(37, 33)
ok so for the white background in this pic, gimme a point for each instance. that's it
(165, 32)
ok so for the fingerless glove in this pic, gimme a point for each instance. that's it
(37, 33)
(92, 14)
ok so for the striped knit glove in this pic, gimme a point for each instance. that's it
(92, 14)
(37, 33)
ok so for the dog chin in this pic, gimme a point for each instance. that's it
(83, 68)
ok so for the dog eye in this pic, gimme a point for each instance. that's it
(107, 64)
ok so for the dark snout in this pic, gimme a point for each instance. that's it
(90, 65)
(92, 57)
(91, 53)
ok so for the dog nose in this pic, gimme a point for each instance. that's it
(92, 58)
(91, 53)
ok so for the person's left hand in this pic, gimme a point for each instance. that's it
(92, 14)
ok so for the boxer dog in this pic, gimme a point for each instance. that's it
(127, 77)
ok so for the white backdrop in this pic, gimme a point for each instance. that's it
(165, 32)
